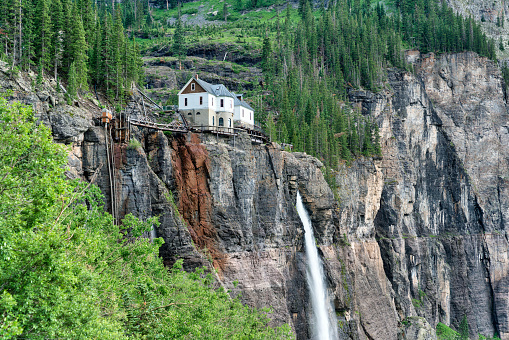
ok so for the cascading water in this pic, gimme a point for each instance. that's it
(323, 324)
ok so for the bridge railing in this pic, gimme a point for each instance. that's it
(176, 125)
(224, 130)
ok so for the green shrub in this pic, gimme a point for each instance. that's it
(444, 332)
(134, 144)
(190, 11)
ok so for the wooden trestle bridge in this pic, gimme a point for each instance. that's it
(174, 126)
(182, 126)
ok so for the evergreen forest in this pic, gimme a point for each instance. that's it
(82, 43)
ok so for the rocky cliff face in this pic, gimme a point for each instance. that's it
(441, 223)
(416, 238)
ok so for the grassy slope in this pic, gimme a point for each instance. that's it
(196, 17)
(244, 31)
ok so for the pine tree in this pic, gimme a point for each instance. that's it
(107, 69)
(463, 329)
(367, 146)
(118, 51)
(57, 21)
(266, 54)
(79, 51)
(179, 43)
(72, 86)
(225, 12)
(95, 58)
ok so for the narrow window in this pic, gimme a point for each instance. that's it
(201, 100)
(221, 121)
(242, 113)
(212, 101)
(250, 115)
(185, 101)
(192, 87)
(231, 104)
(222, 102)
(213, 121)
(229, 122)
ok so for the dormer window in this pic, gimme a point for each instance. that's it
(222, 102)
(212, 101)
(201, 100)
(192, 87)
(185, 101)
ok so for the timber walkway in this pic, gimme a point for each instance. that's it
(174, 126)
(257, 136)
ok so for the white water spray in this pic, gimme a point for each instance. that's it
(323, 323)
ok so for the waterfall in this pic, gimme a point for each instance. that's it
(323, 321)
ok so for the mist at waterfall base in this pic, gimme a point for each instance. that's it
(323, 320)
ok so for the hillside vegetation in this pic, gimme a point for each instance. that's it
(68, 272)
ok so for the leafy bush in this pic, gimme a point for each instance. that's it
(68, 272)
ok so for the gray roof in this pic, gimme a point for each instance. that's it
(238, 102)
(221, 91)
(217, 90)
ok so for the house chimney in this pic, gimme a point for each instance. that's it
(196, 75)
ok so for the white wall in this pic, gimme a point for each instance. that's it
(244, 119)
(193, 101)
(228, 104)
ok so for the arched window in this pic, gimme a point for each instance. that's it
(189, 113)
(197, 113)
(221, 121)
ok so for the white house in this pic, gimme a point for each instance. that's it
(205, 104)
(244, 113)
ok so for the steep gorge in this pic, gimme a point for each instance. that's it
(415, 238)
